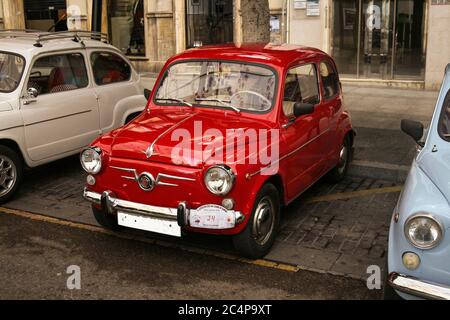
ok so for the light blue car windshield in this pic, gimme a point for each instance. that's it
(444, 120)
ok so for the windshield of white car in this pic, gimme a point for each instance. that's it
(11, 70)
(221, 84)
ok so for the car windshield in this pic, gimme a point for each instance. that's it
(230, 85)
(11, 69)
(444, 121)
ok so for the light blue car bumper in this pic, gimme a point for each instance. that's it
(417, 287)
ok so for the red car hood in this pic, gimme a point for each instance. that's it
(173, 137)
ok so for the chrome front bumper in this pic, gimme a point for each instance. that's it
(417, 287)
(108, 201)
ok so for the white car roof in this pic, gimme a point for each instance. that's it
(24, 43)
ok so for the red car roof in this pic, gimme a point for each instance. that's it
(271, 54)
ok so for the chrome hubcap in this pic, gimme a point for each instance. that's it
(343, 158)
(264, 221)
(8, 175)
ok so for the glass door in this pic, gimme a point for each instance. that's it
(410, 44)
(379, 39)
(346, 36)
(376, 39)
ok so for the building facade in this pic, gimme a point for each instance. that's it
(395, 42)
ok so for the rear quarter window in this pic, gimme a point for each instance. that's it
(109, 68)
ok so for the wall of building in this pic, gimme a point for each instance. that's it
(438, 45)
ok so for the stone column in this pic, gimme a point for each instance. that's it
(438, 45)
(78, 14)
(255, 20)
(161, 36)
(13, 14)
(2, 26)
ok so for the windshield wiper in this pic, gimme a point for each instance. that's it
(175, 99)
(225, 103)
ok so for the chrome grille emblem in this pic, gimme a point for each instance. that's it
(146, 180)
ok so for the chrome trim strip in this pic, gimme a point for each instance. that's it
(149, 151)
(127, 206)
(158, 179)
(289, 154)
(113, 203)
(417, 287)
(57, 118)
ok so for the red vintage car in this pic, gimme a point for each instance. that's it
(230, 135)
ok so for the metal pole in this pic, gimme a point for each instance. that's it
(96, 16)
(358, 50)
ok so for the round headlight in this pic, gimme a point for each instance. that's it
(423, 231)
(91, 160)
(219, 180)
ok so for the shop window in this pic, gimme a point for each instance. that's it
(57, 73)
(126, 26)
(109, 68)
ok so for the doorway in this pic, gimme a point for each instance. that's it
(380, 39)
(208, 22)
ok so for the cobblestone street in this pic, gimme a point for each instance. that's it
(338, 229)
(340, 237)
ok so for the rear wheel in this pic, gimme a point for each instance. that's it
(11, 173)
(106, 220)
(259, 235)
(340, 171)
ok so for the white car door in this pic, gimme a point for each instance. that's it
(120, 94)
(64, 116)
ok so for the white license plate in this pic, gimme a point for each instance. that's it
(147, 223)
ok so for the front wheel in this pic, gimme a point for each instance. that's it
(11, 173)
(259, 235)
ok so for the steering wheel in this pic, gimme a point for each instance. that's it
(259, 95)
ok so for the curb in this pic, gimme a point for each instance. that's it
(378, 170)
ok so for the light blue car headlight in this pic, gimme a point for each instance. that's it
(423, 231)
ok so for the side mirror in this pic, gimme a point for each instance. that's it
(32, 93)
(301, 108)
(413, 129)
(147, 93)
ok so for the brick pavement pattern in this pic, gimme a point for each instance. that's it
(339, 237)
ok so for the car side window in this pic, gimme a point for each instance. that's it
(330, 80)
(301, 85)
(109, 68)
(58, 73)
(444, 121)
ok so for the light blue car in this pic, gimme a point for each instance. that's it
(419, 237)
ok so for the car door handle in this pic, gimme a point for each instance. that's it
(26, 102)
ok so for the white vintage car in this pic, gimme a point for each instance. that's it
(58, 92)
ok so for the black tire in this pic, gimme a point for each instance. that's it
(107, 221)
(9, 187)
(340, 171)
(246, 243)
